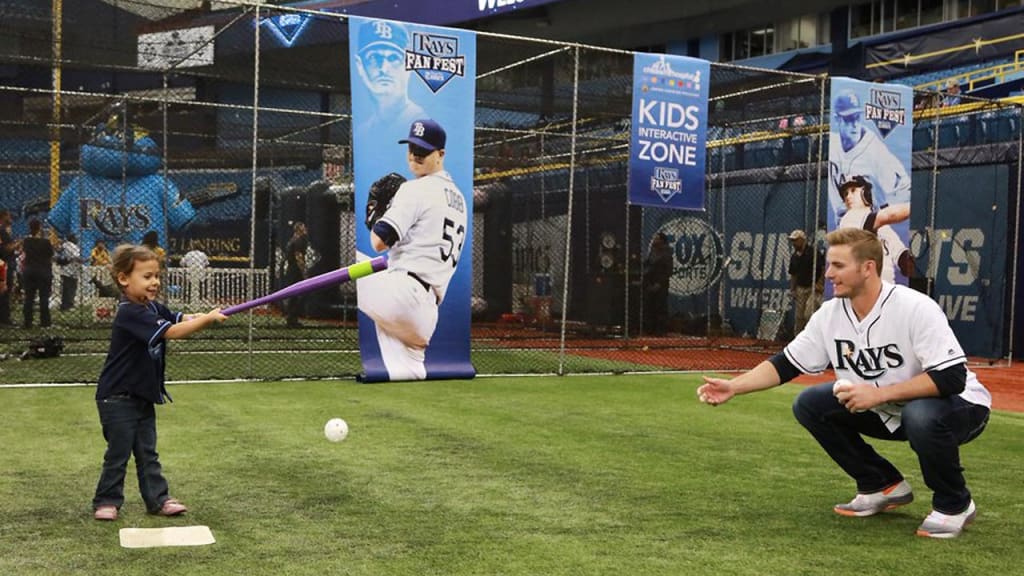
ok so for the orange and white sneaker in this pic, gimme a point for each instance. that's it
(939, 525)
(892, 496)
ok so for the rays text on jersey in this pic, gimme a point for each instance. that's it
(868, 363)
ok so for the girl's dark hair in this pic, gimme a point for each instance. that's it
(123, 260)
(34, 226)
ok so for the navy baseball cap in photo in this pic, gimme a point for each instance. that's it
(426, 133)
(846, 104)
(381, 34)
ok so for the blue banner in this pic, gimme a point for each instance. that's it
(736, 276)
(668, 134)
(869, 158)
(415, 84)
(965, 249)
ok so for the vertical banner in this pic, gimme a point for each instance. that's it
(869, 160)
(415, 84)
(669, 130)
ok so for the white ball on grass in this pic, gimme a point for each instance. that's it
(336, 430)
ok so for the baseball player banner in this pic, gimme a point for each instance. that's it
(413, 96)
(869, 158)
(669, 131)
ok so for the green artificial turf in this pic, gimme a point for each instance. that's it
(512, 476)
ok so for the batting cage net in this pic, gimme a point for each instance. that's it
(214, 129)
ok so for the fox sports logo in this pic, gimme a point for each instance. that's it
(698, 255)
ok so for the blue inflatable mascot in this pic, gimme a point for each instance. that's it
(120, 195)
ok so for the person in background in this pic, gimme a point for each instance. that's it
(70, 259)
(100, 256)
(295, 270)
(952, 97)
(151, 240)
(657, 274)
(99, 259)
(3, 279)
(37, 274)
(195, 260)
(802, 279)
(8, 251)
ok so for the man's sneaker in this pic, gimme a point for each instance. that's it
(888, 498)
(939, 525)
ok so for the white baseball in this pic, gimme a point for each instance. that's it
(838, 384)
(336, 430)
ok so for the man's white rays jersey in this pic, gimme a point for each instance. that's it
(429, 215)
(904, 335)
(892, 245)
(869, 158)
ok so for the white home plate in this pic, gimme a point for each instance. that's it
(157, 537)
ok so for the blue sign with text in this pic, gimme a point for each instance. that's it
(669, 131)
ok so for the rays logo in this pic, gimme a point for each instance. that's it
(886, 110)
(112, 219)
(868, 363)
(435, 58)
(698, 255)
(287, 27)
(665, 183)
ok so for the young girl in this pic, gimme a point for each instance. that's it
(132, 381)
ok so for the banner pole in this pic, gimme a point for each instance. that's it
(569, 210)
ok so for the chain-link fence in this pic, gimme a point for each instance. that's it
(222, 138)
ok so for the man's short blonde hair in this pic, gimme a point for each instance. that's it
(864, 245)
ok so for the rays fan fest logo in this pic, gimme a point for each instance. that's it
(886, 110)
(435, 58)
(665, 182)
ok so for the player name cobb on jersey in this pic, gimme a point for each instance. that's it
(455, 200)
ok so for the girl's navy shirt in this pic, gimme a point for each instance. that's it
(135, 362)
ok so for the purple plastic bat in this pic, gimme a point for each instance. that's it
(315, 283)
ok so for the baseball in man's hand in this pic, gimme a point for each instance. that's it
(841, 384)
